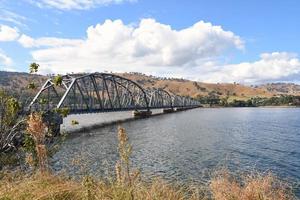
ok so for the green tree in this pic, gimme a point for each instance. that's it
(58, 80)
(33, 68)
(224, 101)
(10, 122)
(31, 86)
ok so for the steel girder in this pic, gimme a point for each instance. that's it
(159, 98)
(103, 92)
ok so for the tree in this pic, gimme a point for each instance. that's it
(31, 86)
(33, 68)
(58, 80)
(224, 101)
(10, 122)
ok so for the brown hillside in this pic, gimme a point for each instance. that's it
(17, 82)
(282, 88)
(192, 88)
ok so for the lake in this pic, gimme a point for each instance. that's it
(190, 145)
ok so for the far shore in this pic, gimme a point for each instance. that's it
(281, 106)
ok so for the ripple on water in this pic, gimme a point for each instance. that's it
(189, 145)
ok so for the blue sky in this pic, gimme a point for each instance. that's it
(211, 41)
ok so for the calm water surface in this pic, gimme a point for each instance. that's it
(189, 145)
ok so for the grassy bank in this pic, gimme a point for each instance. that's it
(221, 187)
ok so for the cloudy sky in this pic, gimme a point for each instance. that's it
(250, 42)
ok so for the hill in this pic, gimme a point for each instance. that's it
(17, 82)
(194, 89)
(282, 88)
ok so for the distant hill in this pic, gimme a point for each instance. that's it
(17, 82)
(194, 89)
(282, 88)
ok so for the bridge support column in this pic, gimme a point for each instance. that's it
(142, 113)
(168, 110)
(53, 121)
(181, 109)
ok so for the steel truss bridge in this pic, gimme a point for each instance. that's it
(104, 92)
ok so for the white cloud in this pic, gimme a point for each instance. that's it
(276, 66)
(8, 33)
(154, 48)
(4, 59)
(12, 17)
(148, 47)
(77, 4)
(6, 62)
(29, 42)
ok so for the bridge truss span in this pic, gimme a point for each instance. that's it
(103, 92)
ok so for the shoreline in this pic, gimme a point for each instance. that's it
(104, 124)
(281, 106)
(278, 106)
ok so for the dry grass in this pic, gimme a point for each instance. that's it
(57, 188)
(251, 187)
(39, 187)
(37, 129)
(258, 187)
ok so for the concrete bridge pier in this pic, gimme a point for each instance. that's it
(181, 109)
(168, 110)
(142, 113)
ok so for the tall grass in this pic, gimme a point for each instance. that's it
(253, 186)
(37, 129)
(127, 184)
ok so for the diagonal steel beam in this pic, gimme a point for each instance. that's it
(65, 94)
(39, 93)
(96, 89)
